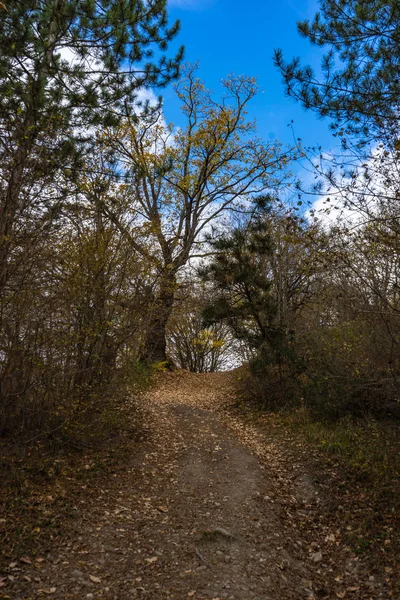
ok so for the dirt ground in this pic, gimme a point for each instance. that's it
(207, 507)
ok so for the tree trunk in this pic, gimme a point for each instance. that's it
(155, 345)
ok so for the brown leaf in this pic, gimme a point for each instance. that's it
(316, 556)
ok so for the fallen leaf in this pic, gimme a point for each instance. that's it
(94, 579)
(316, 556)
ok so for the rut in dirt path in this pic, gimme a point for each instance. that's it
(196, 514)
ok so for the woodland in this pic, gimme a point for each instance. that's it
(130, 248)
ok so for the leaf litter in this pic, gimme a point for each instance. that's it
(208, 506)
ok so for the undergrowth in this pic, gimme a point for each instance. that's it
(359, 461)
(41, 481)
(366, 454)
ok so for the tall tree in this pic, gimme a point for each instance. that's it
(359, 87)
(66, 65)
(180, 183)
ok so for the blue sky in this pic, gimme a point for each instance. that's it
(236, 36)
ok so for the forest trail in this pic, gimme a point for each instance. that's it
(209, 507)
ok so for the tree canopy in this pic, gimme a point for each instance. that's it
(359, 86)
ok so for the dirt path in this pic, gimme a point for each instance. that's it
(209, 508)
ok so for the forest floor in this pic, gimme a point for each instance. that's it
(208, 504)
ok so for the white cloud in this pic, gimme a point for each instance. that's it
(329, 211)
(354, 196)
(145, 95)
(67, 54)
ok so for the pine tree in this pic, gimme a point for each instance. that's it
(66, 66)
(243, 285)
(359, 88)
